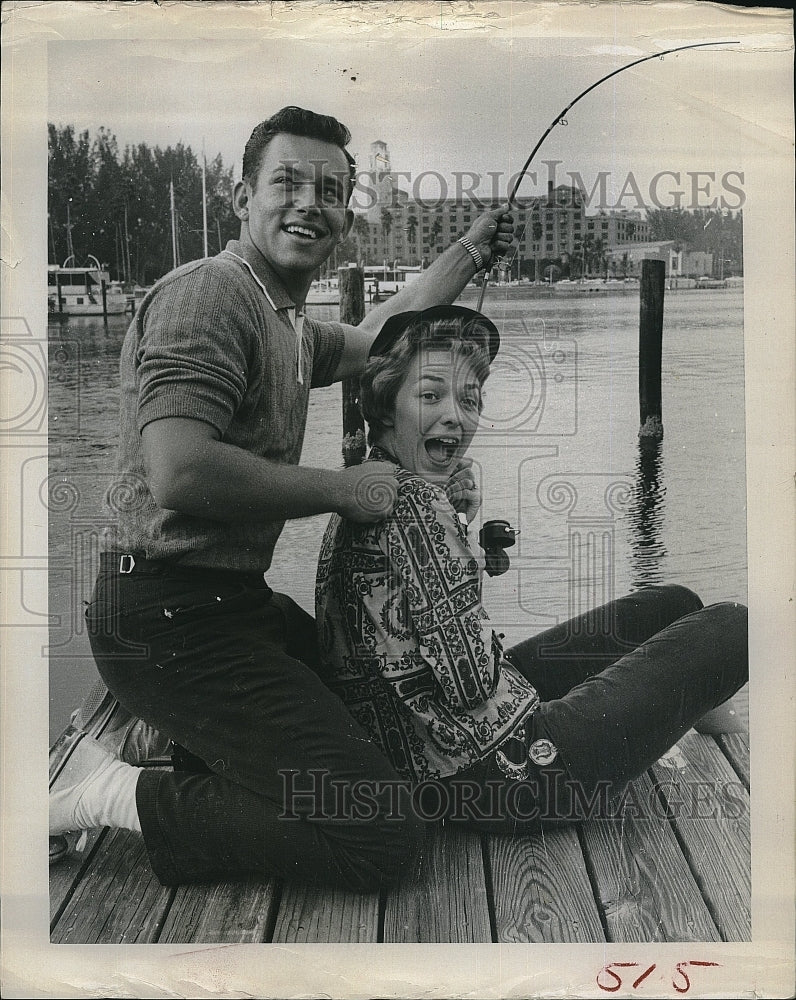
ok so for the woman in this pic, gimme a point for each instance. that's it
(535, 731)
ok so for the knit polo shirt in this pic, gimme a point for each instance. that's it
(215, 340)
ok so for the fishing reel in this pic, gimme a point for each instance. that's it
(494, 538)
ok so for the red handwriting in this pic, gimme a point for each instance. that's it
(611, 981)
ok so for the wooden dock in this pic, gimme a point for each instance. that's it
(674, 866)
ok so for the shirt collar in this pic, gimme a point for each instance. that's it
(275, 291)
(379, 454)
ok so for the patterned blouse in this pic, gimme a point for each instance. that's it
(405, 640)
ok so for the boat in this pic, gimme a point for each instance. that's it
(324, 292)
(83, 291)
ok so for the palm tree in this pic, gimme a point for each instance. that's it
(361, 233)
(598, 255)
(436, 229)
(386, 226)
(411, 233)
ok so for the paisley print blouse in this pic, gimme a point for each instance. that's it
(405, 641)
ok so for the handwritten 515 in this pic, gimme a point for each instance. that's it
(611, 981)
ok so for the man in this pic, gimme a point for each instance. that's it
(216, 371)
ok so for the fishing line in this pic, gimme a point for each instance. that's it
(560, 119)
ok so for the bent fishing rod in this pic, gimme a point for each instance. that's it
(560, 119)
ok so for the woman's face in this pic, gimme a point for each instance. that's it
(435, 415)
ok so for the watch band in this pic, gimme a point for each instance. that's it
(474, 252)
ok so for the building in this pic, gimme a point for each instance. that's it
(624, 260)
(614, 228)
(554, 230)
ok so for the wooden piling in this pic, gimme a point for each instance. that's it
(104, 301)
(351, 281)
(650, 347)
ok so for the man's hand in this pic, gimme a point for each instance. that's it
(493, 233)
(369, 492)
(462, 489)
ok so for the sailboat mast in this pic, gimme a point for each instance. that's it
(173, 227)
(204, 198)
(70, 250)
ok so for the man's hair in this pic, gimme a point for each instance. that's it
(384, 374)
(296, 121)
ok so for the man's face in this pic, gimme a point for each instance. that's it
(296, 212)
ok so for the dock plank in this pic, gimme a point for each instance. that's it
(643, 883)
(224, 912)
(65, 875)
(309, 915)
(541, 889)
(118, 901)
(445, 898)
(736, 750)
(709, 809)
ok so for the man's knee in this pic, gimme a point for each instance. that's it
(381, 854)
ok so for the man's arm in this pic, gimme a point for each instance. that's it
(189, 469)
(439, 284)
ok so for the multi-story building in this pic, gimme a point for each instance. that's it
(613, 228)
(552, 230)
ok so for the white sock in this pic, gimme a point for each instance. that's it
(108, 798)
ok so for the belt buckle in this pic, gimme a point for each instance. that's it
(126, 565)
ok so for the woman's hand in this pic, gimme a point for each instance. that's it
(493, 234)
(462, 489)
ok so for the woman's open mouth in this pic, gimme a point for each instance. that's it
(441, 450)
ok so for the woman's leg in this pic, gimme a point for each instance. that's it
(616, 723)
(209, 666)
(560, 658)
(600, 727)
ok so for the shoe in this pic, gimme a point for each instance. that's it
(137, 743)
(130, 739)
(74, 761)
(99, 712)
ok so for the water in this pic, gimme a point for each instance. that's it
(558, 456)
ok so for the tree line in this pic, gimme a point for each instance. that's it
(702, 229)
(116, 205)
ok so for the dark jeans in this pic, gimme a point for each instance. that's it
(230, 671)
(618, 687)
(220, 664)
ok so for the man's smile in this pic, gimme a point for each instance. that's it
(303, 231)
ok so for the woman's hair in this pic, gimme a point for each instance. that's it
(384, 374)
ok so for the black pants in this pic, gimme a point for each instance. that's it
(618, 687)
(229, 670)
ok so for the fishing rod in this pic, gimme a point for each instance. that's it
(560, 119)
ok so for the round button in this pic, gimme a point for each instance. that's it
(542, 752)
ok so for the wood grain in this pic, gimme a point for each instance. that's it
(225, 912)
(709, 809)
(736, 750)
(541, 889)
(445, 898)
(643, 884)
(330, 917)
(119, 901)
(65, 874)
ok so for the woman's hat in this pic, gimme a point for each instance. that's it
(395, 326)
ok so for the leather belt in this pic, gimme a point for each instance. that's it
(135, 564)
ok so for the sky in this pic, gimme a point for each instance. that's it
(447, 105)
